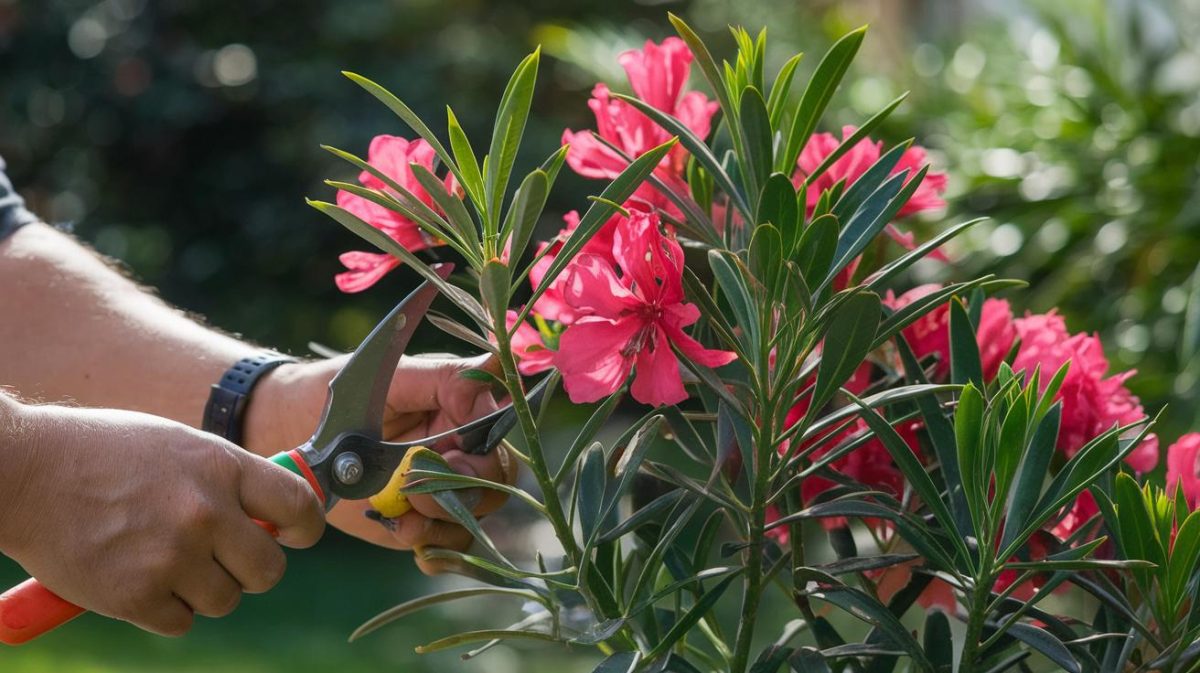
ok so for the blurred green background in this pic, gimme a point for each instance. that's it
(181, 136)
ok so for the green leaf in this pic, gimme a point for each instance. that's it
(404, 609)
(848, 339)
(778, 100)
(690, 618)
(879, 209)
(385, 243)
(877, 279)
(777, 205)
(1011, 447)
(1185, 555)
(524, 212)
(619, 662)
(1031, 475)
(969, 433)
(485, 635)
(808, 660)
(409, 117)
(849, 142)
(869, 610)
(629, 464)
(766, 256)
(587, 433)
(510, 126)
(645, 515)
(451, 205)
(590, 489)
(1052, 648)
(911, 467)
(939, 642)
(426, 460)
(495, 288)
(816, 248)
(756, 126)
(731, 276)
(870, 181)
(817, 95)
(965, 362)
(472, 179)
(460, 331)
(696, 146)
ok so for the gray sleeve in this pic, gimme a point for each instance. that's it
(12, 207)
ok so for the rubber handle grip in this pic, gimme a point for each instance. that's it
(29, 609)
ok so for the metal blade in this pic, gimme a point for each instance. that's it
(358, 394)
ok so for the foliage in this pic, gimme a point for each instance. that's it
(812, 364)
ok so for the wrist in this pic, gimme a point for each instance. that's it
(284, 409)
(22, 458)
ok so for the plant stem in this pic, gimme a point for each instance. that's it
(537, 458)
(978, 613)
(754, 555)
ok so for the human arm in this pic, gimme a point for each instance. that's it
(89, 335)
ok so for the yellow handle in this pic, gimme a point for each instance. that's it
(391, 501)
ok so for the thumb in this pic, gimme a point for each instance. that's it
(273, 494)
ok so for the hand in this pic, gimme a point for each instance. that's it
(428, 395)
(143, 519)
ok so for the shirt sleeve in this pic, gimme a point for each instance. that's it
(13, 214)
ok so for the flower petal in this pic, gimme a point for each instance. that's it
(657, 382)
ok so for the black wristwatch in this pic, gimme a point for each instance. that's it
(226, 408)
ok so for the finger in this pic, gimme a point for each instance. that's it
(497, 466)
(270, 493)
(432, 384)
(169, 616)
(210, 590)
(431, 566)
(349, 516)
(413, 530)
(250, 555)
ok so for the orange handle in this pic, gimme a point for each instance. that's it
(29, 609)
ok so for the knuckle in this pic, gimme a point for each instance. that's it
(224, 603)
(270, 571)
(177, 624)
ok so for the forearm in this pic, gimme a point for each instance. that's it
(72, 328)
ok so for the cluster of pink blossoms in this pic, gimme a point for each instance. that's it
(394, 157)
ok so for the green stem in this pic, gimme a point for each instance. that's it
(753, 581)
(537, 458)
(978, 613)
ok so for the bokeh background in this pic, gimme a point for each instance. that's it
(180, 137)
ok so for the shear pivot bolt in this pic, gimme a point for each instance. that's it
(348, 468)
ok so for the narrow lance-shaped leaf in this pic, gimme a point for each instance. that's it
(523, 215)
(385, 243)
(472, 179)
(848, 339)
(817, 95)
(965, 364)
(510, 126)
(696, 146)
(756, 127)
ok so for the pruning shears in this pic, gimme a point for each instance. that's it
(345, 458)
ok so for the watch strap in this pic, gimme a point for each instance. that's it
(227, 402)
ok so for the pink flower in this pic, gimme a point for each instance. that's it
(850, 167)
(1091, 403)
(658, 75)
(853, 164)
(551, 305)
(930, 334)
(529, 347)
(631, 319)
(1183, 468)
(393, 157)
